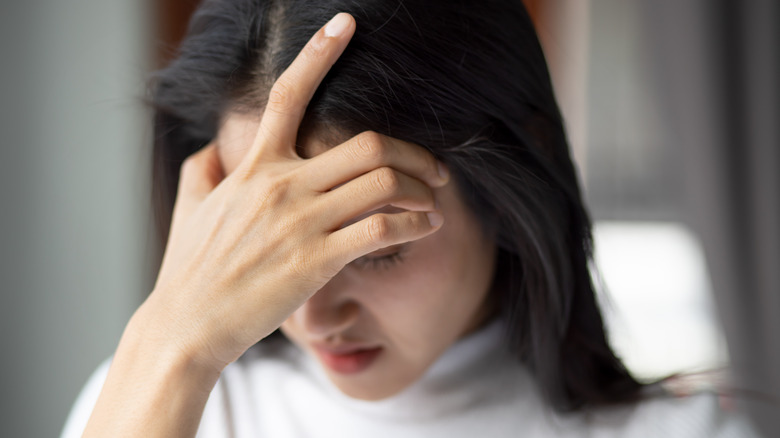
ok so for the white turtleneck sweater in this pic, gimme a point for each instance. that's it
(476, 389)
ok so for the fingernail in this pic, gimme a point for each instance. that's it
(337, 25)
(444, 173)
(435, 219)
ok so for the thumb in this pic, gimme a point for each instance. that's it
(200, 173)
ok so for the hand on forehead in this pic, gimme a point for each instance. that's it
(238, 131)
(237, 134)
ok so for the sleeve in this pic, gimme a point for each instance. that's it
(85, 402)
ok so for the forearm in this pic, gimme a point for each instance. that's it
(151, 390)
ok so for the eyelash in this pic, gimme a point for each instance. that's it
(380, 262)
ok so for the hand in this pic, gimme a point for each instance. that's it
(247, 249)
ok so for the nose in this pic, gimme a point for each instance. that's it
(330, 311)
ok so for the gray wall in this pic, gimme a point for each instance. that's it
(73, 205)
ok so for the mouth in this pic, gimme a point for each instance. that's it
(347, 359)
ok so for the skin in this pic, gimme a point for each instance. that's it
(251, 246)
(413, 300)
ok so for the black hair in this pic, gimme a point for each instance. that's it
(468, 81)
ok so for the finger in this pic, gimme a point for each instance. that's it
(293, 90)
(200, 173)
(380, 231)
(376, 189)
(370, 150)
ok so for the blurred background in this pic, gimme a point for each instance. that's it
(672, 110)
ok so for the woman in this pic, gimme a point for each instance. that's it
(396, 194)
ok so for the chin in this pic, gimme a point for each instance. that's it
(378, 382)
(373, 390)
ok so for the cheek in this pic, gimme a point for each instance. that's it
(456, 277)
(439, 288)
(407, 296)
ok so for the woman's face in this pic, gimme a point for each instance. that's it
(380, 323)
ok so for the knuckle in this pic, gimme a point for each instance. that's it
(277, 189)
(413, 222)
(386, 180)
(312, 51)
(244, 174)
(266, 192)
(418, 222)
(378, 228)
(281, 97)
(370, 145)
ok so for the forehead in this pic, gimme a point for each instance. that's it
(239, 130)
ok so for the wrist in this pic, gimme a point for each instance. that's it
(147, 377)
(162, 339)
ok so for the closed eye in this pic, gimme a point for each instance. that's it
(384, 258)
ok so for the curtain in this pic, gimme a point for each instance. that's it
(717, 69)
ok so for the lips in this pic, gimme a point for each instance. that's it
(347, 359)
